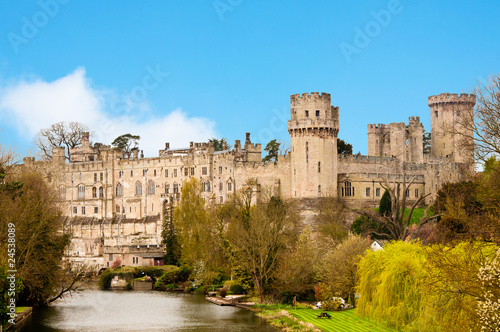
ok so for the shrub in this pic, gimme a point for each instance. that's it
(234, 287)
(169, 277)
(331, 305)
(105, 279)
(222, 292)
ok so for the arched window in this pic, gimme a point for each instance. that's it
(101, 192)
(119, 189)
(347, 189)
(138, 188)
(117, 208)
(62, 192)
(204, 186)
(94, 191)
(151, 187)
(81, 192)
(229, 186)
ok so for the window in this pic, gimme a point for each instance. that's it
(94, 191)
(119, 189)
(176, 188)
(203, 171)
(117, 208)
(154, 173)
(377, 192)
(167, 188)
(367, 191)
(144, 172)
(101, 192)
(192, 171)
(138, 188)
(220, 169)
(319, 166)
(436, 113)
(102, 176)
(222, 199)
(317, 113)
(307, 113)
(220, 186)
(96, 209)
(75, 210)
(175, 172)
(347, 189)
(416, 193)
(186, 171)
(208, 186)
(83, 209)
(120, 174)
(319, 190)
(151, 188)
(166, 173)
(131, 173)
(81, 191)
(62, 192)
(407, 192)
(229, 186)
(95, 177)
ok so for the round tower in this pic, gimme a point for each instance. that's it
(313, 130)
(447, 110)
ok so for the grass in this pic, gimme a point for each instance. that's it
(346, 321)
(417, 214)
(21, 309)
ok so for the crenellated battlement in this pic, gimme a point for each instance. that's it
(446, 98)
(414, 121)
(307, 97)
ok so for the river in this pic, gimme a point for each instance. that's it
(141, 310)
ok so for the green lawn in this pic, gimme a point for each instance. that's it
(21, 309)
(345, 321)
(417, 214)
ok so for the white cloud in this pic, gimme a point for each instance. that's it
(34, 105)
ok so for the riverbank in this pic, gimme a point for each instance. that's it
(23, 314)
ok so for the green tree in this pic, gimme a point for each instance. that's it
(343, 147)
(220, 144)
(272, 148)
(426, 141)
(330, 220)
(126, 143)
(385, 205)
(363, 225)
(169, 237)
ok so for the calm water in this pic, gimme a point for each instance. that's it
(141, 310)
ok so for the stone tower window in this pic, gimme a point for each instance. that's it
(436, 113)
(319, 166)
(101, 192)
(317, 113)
(62, 192)
(81, 192)
(176, 188)
(167, 188)
(83, 209)
(319, 190)
(101, 177)
(307, 113)
(151, 187)
(138, 188)
(95, 177)
(154, 173)
(94, 191)
(119, 189)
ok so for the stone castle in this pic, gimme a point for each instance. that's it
(114, 206)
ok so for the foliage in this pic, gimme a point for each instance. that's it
(331, 304)
(105, 279)
(169, 237)
(337, 271)
(426, 141)
(331, 221)
(343, 147)
(61, 134)
(234, 287)
(220, 144)
(363, 225)
(126, 143)
(385, 205)
(272, 148)
(489, 299)
(222, 292)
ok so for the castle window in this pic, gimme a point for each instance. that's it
(436, 113)
(204, 186)
(367, 191)
(220, 186)
(83, 209)
(307, 146)
(377, 192)
(96, 209)
(75, 210)
(95, 177)
(119, 189)
(175, 172)
(229, 186)
(307, 113)
(186, 171)
(62, 192)
(101, 176)
(81, 192)
(101, 192)
(208, 186)
(416, 193)
(319, 190)
(317, 113)
(138, 188)
(166, 173)
(222, 199)
(154, 173)
(117, 208)
(203, 171)
(192, 170)
(347, 189)
(407, 192)
(151, 188)
(319, 166)
(220, 169)
(94, 191)
(176, 188)
(144, 172)
(120, 173)
(167, 188)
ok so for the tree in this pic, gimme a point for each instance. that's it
(489, 298)
(426, 141)
(169, 237)
(272, 148)
(61, 134)
(363, 225)
(343, 147)
(479, 130)
(337, 271)
(396, 227)
(330, 220)
(127, 143)
(385, 205)
(220, 144)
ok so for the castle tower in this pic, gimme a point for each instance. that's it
(446, 111)
(313, 130)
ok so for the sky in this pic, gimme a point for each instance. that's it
(181, 71)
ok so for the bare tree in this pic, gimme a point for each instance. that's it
(398, 228)
(61, 134)
(480, 132)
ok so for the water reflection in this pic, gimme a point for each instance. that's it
(145, 310)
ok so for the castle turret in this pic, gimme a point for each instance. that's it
(446, 112)
(313, 130)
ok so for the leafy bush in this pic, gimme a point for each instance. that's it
(234, 287)
(331, 305)
(169, 277)
(105, 279)
(222, 292)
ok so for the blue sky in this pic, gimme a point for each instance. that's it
(179, 71)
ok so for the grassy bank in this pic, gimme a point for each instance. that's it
(305, 319)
